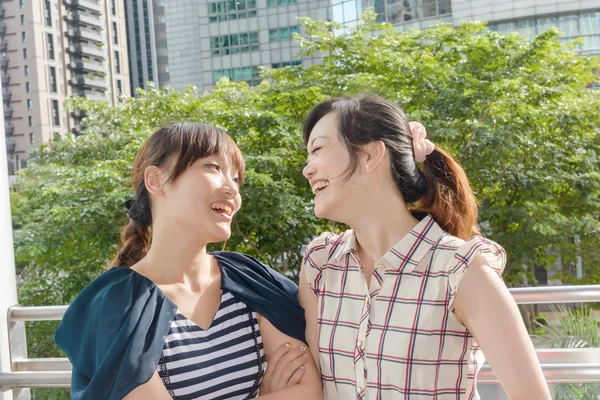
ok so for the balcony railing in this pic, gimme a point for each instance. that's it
(87, 66)
(559, 365)
(8, 112)
(84, 4)
(87, 50)
(88, 34)
(87, 19)
(9, 129)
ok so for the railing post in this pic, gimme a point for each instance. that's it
(8, 281)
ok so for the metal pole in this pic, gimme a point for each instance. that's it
(8, 283)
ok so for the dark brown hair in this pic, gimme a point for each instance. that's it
(440, 189)
(174, 148)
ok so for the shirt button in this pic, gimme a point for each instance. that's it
(360, 389)
(368, 299)
(360, 344)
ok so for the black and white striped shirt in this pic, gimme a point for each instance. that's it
(224, 362)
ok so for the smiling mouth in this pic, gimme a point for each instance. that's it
(319, 187)
(222, 209)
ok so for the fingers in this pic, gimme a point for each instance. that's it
(297, 375)
(289, 363)
(274, 360)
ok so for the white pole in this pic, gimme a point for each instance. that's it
(8, 281)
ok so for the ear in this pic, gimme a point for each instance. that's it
(373, 155)
(153, 179)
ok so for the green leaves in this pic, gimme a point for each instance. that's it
(516, 114)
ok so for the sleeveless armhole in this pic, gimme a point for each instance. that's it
(312, 264)
(493, 253)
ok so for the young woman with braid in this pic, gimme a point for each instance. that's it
(169, 320)
(404, 304)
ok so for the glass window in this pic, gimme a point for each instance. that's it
(47, 13)
(24, 36)
(253, 36)
(119, 86)
(53, 88)
(117, 62)
(50, 40)
(31, 138)
(115, 33)
(569, 25)
(527, 28)
(55, 117)
(21, 3)
(274, 34)
(22, 20)
(29, 104)
(27, 87)
(30, 120)
(24, 53)
(113, 7)
(234, 40)
(590, 23)
(543, 24)
(26, 68)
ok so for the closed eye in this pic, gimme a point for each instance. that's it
(315, 150)
(215, 166)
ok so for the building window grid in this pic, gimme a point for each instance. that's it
(250, 75)
(235, 43)
(272, 3)
(576, 25)
(286, 64)
(113, 7)
(283, 33)
(231, 9)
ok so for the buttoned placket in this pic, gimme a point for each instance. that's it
(360, 371)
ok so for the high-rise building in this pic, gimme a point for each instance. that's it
(198, 42)
(53, 50)
(576, 18)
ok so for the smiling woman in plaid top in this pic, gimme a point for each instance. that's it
(404, 304)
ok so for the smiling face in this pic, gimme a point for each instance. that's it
(326, 170)
(205, 197)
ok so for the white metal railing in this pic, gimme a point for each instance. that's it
(559, 365)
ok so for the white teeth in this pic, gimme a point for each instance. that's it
(224, 207)
(319, 185)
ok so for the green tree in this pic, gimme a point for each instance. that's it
(515, 113)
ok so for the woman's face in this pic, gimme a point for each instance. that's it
(326, 171)
(205, 198)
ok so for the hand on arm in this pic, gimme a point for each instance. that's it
(485, 306)
(286, 362)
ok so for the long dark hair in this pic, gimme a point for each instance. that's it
(441, 188)
(175, 147)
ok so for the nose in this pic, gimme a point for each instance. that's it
(308, 171)
(231, 187)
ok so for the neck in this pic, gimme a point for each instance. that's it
(177, 257)
(385, 223)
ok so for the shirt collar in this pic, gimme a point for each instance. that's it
(406, 254)
(410, 250)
